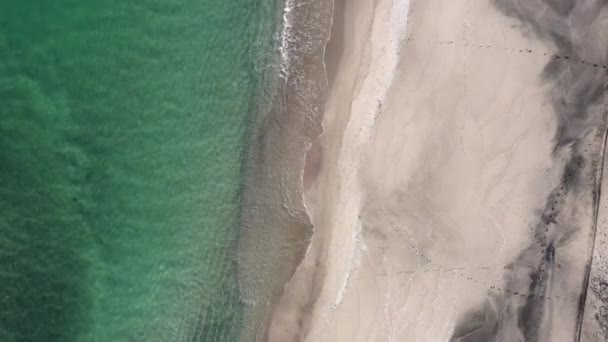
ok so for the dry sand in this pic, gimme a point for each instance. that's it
(454, 189)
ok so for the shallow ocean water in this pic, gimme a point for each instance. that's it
(122, 137)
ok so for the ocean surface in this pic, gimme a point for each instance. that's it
(123, 129)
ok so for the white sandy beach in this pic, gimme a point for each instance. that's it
(434, 163)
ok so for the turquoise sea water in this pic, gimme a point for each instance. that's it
(122, 133)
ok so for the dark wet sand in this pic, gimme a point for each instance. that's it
(275, 228)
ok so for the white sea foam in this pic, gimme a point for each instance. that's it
(287, 37)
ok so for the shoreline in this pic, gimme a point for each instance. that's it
(306, 287)
(275, 227)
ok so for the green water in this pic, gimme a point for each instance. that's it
(122, 133)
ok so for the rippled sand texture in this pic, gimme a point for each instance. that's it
(456, 182)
